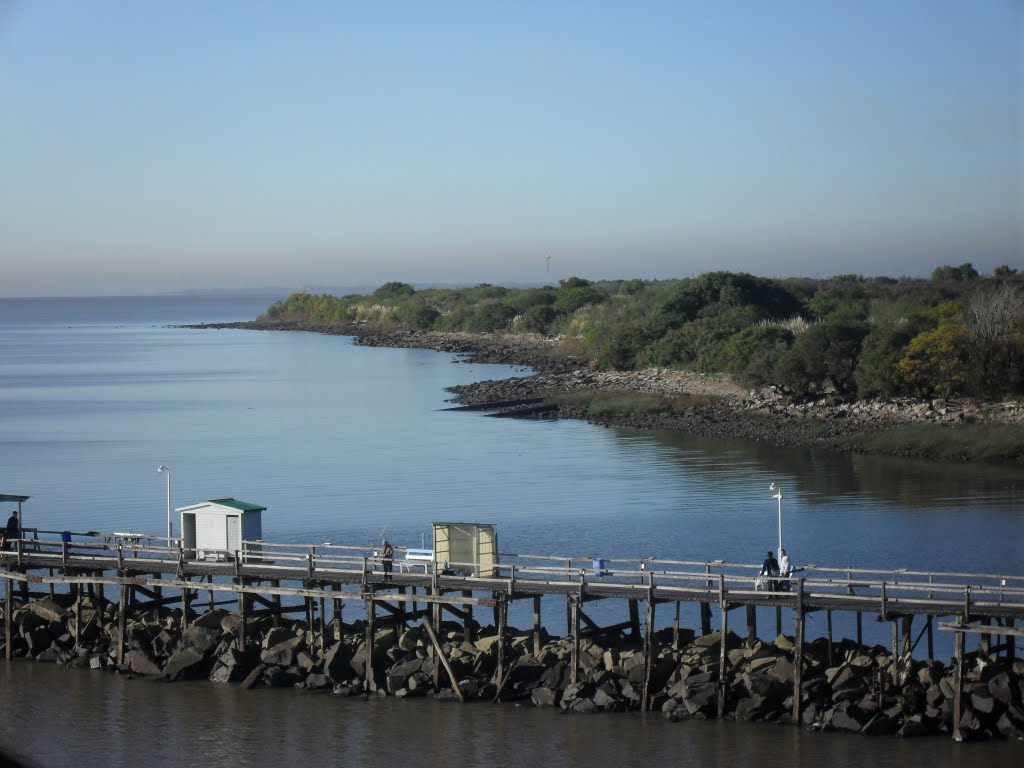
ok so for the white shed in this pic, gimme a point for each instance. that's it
(215, 529)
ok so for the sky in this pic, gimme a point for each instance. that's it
(150, 147)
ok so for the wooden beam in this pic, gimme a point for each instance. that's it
(444, 661)
(798, 651)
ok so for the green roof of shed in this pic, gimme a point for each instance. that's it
(241, 506)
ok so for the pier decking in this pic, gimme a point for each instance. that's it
(152, 572)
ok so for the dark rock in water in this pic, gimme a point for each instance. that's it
(318, 682)
(999, 688)
(750, 708)
(544, 697)
(336, 662)
(881, 725)
(38, 639)
(185, 664)
(140, 663)
(283, 653)
(203, 639)
(556, 677)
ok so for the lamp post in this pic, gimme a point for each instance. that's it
(777, 494)
(162, 470)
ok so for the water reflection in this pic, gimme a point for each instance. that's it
(822, 477)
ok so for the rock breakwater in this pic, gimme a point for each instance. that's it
(847, 687)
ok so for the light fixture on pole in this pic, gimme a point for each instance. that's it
(777, 494)
(162, 470)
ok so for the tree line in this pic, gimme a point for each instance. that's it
(957, 333)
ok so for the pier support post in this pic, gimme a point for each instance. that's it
(243, 640)
(186, 603)
(778, 620)
(798, 651)
(442, 661)
(276, 618)
(574, 612)
(705, 619)
(122, 622)
(722, 656)
(648, 648)
(501, 608)
(905, 656)
(1011, 649)
(985, 642)
(8, 611)
(536, 625)
(931, 642)
(467, 623)
(860, 628)
(958, 695)
(369, 681)
(751, 625)
(323, 624)
(634, 618)
(895, 671)
(675, 629)
(828, 629)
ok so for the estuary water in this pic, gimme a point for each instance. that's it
(340, 442)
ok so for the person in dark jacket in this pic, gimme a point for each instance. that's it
(387, 558)
(13, 530)
(770, 570)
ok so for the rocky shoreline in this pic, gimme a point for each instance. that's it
(859, 690)
(709, 406)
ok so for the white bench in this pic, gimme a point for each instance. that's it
(415, 558)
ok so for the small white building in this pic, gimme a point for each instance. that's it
(216, 529)
(470, 548)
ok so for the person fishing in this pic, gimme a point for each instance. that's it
(387, 558)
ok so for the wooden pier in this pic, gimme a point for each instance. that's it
(268, 579)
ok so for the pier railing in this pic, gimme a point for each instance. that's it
(892, 591)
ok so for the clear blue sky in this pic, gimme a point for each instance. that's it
(154, 146)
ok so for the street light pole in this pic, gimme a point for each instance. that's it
(162, 470)
(777, 494)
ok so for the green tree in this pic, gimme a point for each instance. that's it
(393, 290)
(753, 352)
(937, 360)
(575, 293)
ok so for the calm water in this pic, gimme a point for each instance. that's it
(339, 442)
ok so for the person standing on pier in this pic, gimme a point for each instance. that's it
(785, 568)
(770, 570)
(387, 558)
(13, 530)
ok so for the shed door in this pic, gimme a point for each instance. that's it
(234, 533)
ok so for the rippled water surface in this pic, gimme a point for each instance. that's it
(340, 441)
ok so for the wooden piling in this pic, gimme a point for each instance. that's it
(675, 629)
(798, 651)
(645, 696)
(828, 630)
(907, 650)
(958, 695)
(574, 612)
(751, 625)
(368, 641)
(722, 657)
(243, 640)
(439, 650)
(634, 618)
(501, 610)
(536, 625)
(8, 613)
(122, 622)
(705, 618)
